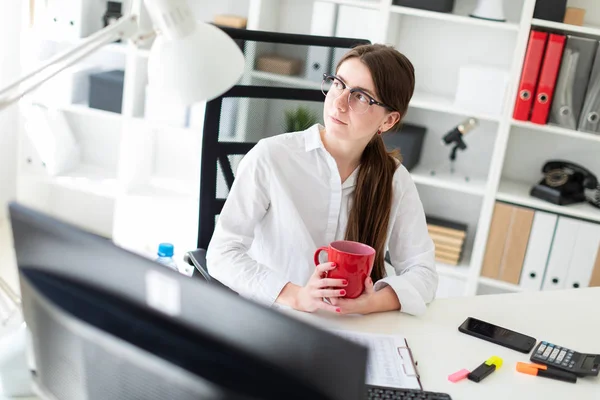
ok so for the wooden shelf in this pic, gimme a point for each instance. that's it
(566, 28)
(444, 180)
(433, 102)
(518, 193)
(459, 19)
(495, 283)
(557, 130)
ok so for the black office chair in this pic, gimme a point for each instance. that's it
(235, 121)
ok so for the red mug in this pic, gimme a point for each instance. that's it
(354, 262)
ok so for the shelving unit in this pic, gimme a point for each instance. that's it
(143, 187)
(557, 130)
(518, 193)
(454, 18)
(593, 31)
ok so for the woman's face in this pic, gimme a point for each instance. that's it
(348, 124)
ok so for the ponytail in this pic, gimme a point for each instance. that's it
(370, 212)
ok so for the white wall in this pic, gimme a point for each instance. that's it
(10, 28)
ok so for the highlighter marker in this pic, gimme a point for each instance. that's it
(489, 366)
(544, 371)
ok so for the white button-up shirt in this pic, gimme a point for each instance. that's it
(287, 200)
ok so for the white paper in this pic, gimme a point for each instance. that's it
(389, 363)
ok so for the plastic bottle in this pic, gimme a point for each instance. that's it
(165, 256)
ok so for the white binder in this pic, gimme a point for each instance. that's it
(584, 255)
(319, 59)
(538, 250)
(561, 254)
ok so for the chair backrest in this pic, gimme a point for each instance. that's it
(267, 101)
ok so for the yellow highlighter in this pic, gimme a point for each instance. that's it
(489, 366)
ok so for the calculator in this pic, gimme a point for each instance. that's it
(566, 359)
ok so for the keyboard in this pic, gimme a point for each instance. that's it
(378, 392)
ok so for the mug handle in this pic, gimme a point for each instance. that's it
(318, 253)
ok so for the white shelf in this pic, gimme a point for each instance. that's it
(498, 284)
(166, 188)
(556, 130)
(518, 193)
(433, 102)
(288, 80)
(459, 19)
(426, 101)
(86, 178)
(567, 28)
(422, 175)
(357, 3)
(84, 109)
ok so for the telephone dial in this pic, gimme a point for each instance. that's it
(566, 183)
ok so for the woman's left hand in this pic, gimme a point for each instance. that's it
(359, 305)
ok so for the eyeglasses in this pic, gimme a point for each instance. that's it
(358, 100)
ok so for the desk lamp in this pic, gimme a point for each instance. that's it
(455, 136)
(189, 62)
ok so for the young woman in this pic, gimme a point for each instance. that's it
(298, 191)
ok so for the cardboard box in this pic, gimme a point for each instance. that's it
(232, 21)
(278, 64)
(574, 16)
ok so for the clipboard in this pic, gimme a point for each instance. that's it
(390, 363)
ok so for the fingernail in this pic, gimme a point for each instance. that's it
(344, 282)
(338, 310)
(343, 292)
(333, 265)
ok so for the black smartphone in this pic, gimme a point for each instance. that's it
(498, 335)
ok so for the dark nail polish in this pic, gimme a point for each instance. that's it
(344, 282)
(338, 310)
(343, 292)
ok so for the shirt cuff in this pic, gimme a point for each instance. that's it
(269, 290)
(410, 299)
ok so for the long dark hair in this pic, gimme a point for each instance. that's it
(394, 78)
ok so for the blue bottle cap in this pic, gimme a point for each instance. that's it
(165, 250)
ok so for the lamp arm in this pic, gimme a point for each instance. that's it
(124, 28)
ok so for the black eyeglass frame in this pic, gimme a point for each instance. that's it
(354, 90)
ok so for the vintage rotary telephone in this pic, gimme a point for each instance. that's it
(566, 183)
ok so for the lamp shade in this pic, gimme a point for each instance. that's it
(197, 67)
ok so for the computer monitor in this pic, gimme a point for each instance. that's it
(109, 324)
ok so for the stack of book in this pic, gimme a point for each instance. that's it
(449, 239)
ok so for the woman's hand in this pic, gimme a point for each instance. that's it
(360, 305)
(309, 298)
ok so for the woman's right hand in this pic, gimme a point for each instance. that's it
(310, 297)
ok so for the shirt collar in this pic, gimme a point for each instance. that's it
(351, 180)
(312, 138)
(312, 141)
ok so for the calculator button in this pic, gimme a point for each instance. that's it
(570, 354)
(541, 348)
(561, 356)
(547, 352)
(544, 343)
(565, 364)
(553, 355)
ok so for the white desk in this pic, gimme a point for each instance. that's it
(567, 318)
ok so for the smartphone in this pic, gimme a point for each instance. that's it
(498, 335)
